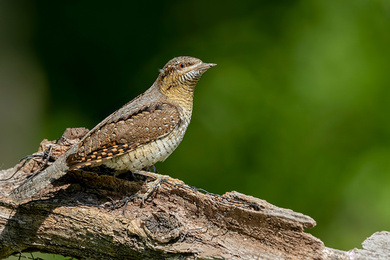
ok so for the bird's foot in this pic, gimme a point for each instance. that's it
(154, 185)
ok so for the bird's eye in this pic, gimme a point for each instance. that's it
(182, 65)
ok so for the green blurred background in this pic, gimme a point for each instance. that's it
(296, 112)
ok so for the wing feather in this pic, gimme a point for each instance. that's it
(114, 138)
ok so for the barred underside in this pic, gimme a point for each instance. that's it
(150, 153)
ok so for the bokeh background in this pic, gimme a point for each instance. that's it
(296, 112)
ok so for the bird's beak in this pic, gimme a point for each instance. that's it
(211, 64)
(204, 66)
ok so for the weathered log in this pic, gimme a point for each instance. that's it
(95, 215)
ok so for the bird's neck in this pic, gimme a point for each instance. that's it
(180, 94)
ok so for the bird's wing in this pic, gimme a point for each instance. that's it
(113, 138)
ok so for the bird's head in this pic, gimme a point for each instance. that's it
(180, 75)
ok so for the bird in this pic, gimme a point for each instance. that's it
(141, 133)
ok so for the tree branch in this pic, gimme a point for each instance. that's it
(99, 216)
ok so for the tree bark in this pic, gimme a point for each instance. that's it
(95, 215)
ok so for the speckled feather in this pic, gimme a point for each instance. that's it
(117, 137)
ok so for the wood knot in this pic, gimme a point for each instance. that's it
(162, 227)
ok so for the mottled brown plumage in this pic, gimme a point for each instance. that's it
(162, 113)
(144, 131)
(126, 134)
